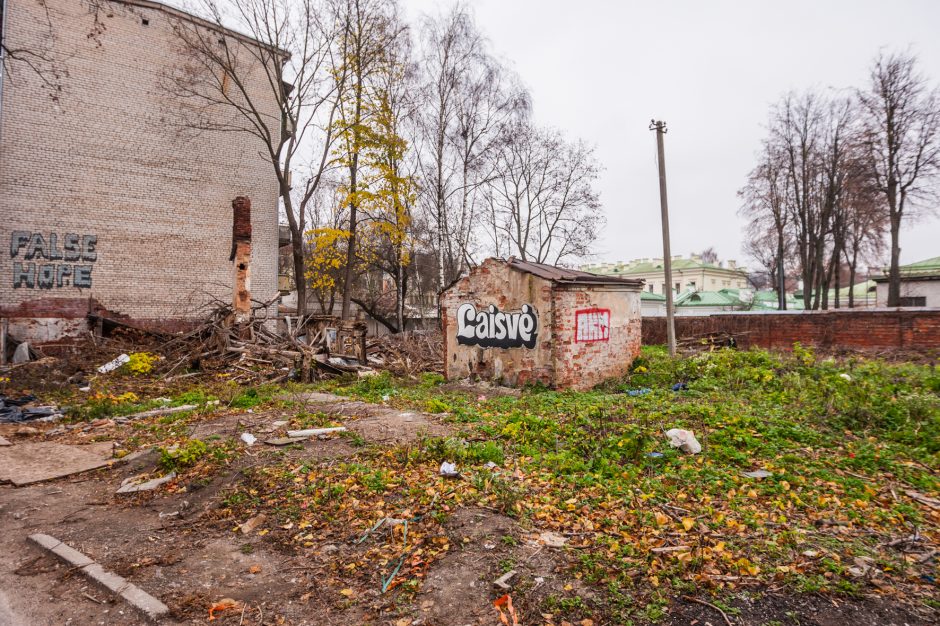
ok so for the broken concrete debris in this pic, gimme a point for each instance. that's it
(552, 539)
(503, 581)
(21, 354)
(249, 439)
(110, 366)
(253, 523)
(156, 412)
(134, 595)
(4, 442)
(136, 484)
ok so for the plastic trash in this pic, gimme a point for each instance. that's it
(845, 376)
(655, 455)
(449, 470)
(113, 365)
(757, 474)
(638, 392)
(684, 440)
(249, 439)
(680, 387)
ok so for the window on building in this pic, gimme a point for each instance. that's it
(913, 301)
(692, 285)
(678, 287)
(651, 288)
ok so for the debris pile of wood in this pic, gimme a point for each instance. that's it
(408, 353)
(300, 349)
(707, 342)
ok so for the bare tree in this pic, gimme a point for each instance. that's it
(765, 204)
(902, 135)
(290, 46)
(542, 204)
(468, 99)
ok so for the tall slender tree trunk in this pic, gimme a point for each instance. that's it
(781, 274)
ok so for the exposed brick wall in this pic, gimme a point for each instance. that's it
(557, 359)
(857, 329)
(494, 283)
(582, 365)
(100, 166)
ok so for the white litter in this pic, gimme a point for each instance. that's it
(757, 474)
(315, 432)
(249, 438)
(684, 440)
(845, 376)
(113, 365)
(449, 470)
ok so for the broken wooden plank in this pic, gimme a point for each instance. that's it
(314, 432)
(155, 412)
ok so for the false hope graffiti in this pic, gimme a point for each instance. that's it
(48, 275)
(491, 328)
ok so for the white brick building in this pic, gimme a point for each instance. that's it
(105, 203)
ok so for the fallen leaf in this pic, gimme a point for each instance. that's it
(688, 523)
(347, 592)
(221, 605)
(254, 569)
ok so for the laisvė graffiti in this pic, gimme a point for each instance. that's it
(33, 274)
(491, 328)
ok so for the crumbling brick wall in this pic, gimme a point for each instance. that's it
(140, 212)
(851, 329)
(582, 364)
(494, 283)
(563, 356)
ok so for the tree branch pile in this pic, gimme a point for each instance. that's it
(407, 354)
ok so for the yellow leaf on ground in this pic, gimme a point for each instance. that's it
(688, 523)
(347, 592)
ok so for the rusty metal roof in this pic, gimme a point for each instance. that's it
(571, 277)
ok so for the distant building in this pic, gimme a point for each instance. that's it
(920, 284)
(688, 274)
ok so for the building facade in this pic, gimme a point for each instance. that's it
(688, 274)
(517, 323)
(107, 204)
(920, 284)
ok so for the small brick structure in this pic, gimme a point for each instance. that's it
(834, 329)
(518, 322)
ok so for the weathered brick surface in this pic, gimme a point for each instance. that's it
(582, 365)
(557, 359)
(854, 329)
(100, 158)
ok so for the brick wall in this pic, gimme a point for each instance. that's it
(494, 283)
(584, 364)
(859, 329)
(138, 209)
(558, 358)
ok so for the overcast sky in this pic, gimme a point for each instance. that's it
(600, 70)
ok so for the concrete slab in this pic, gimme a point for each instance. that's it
(28, 463)
(4, 442)
(137, 597)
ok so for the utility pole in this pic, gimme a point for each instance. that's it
(660, 128)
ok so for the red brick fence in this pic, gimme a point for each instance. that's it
(852, 329)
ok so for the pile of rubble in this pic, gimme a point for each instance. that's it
(407, 354)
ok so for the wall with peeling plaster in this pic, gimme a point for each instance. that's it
(560, 357)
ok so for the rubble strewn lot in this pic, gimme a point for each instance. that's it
(814, 499)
